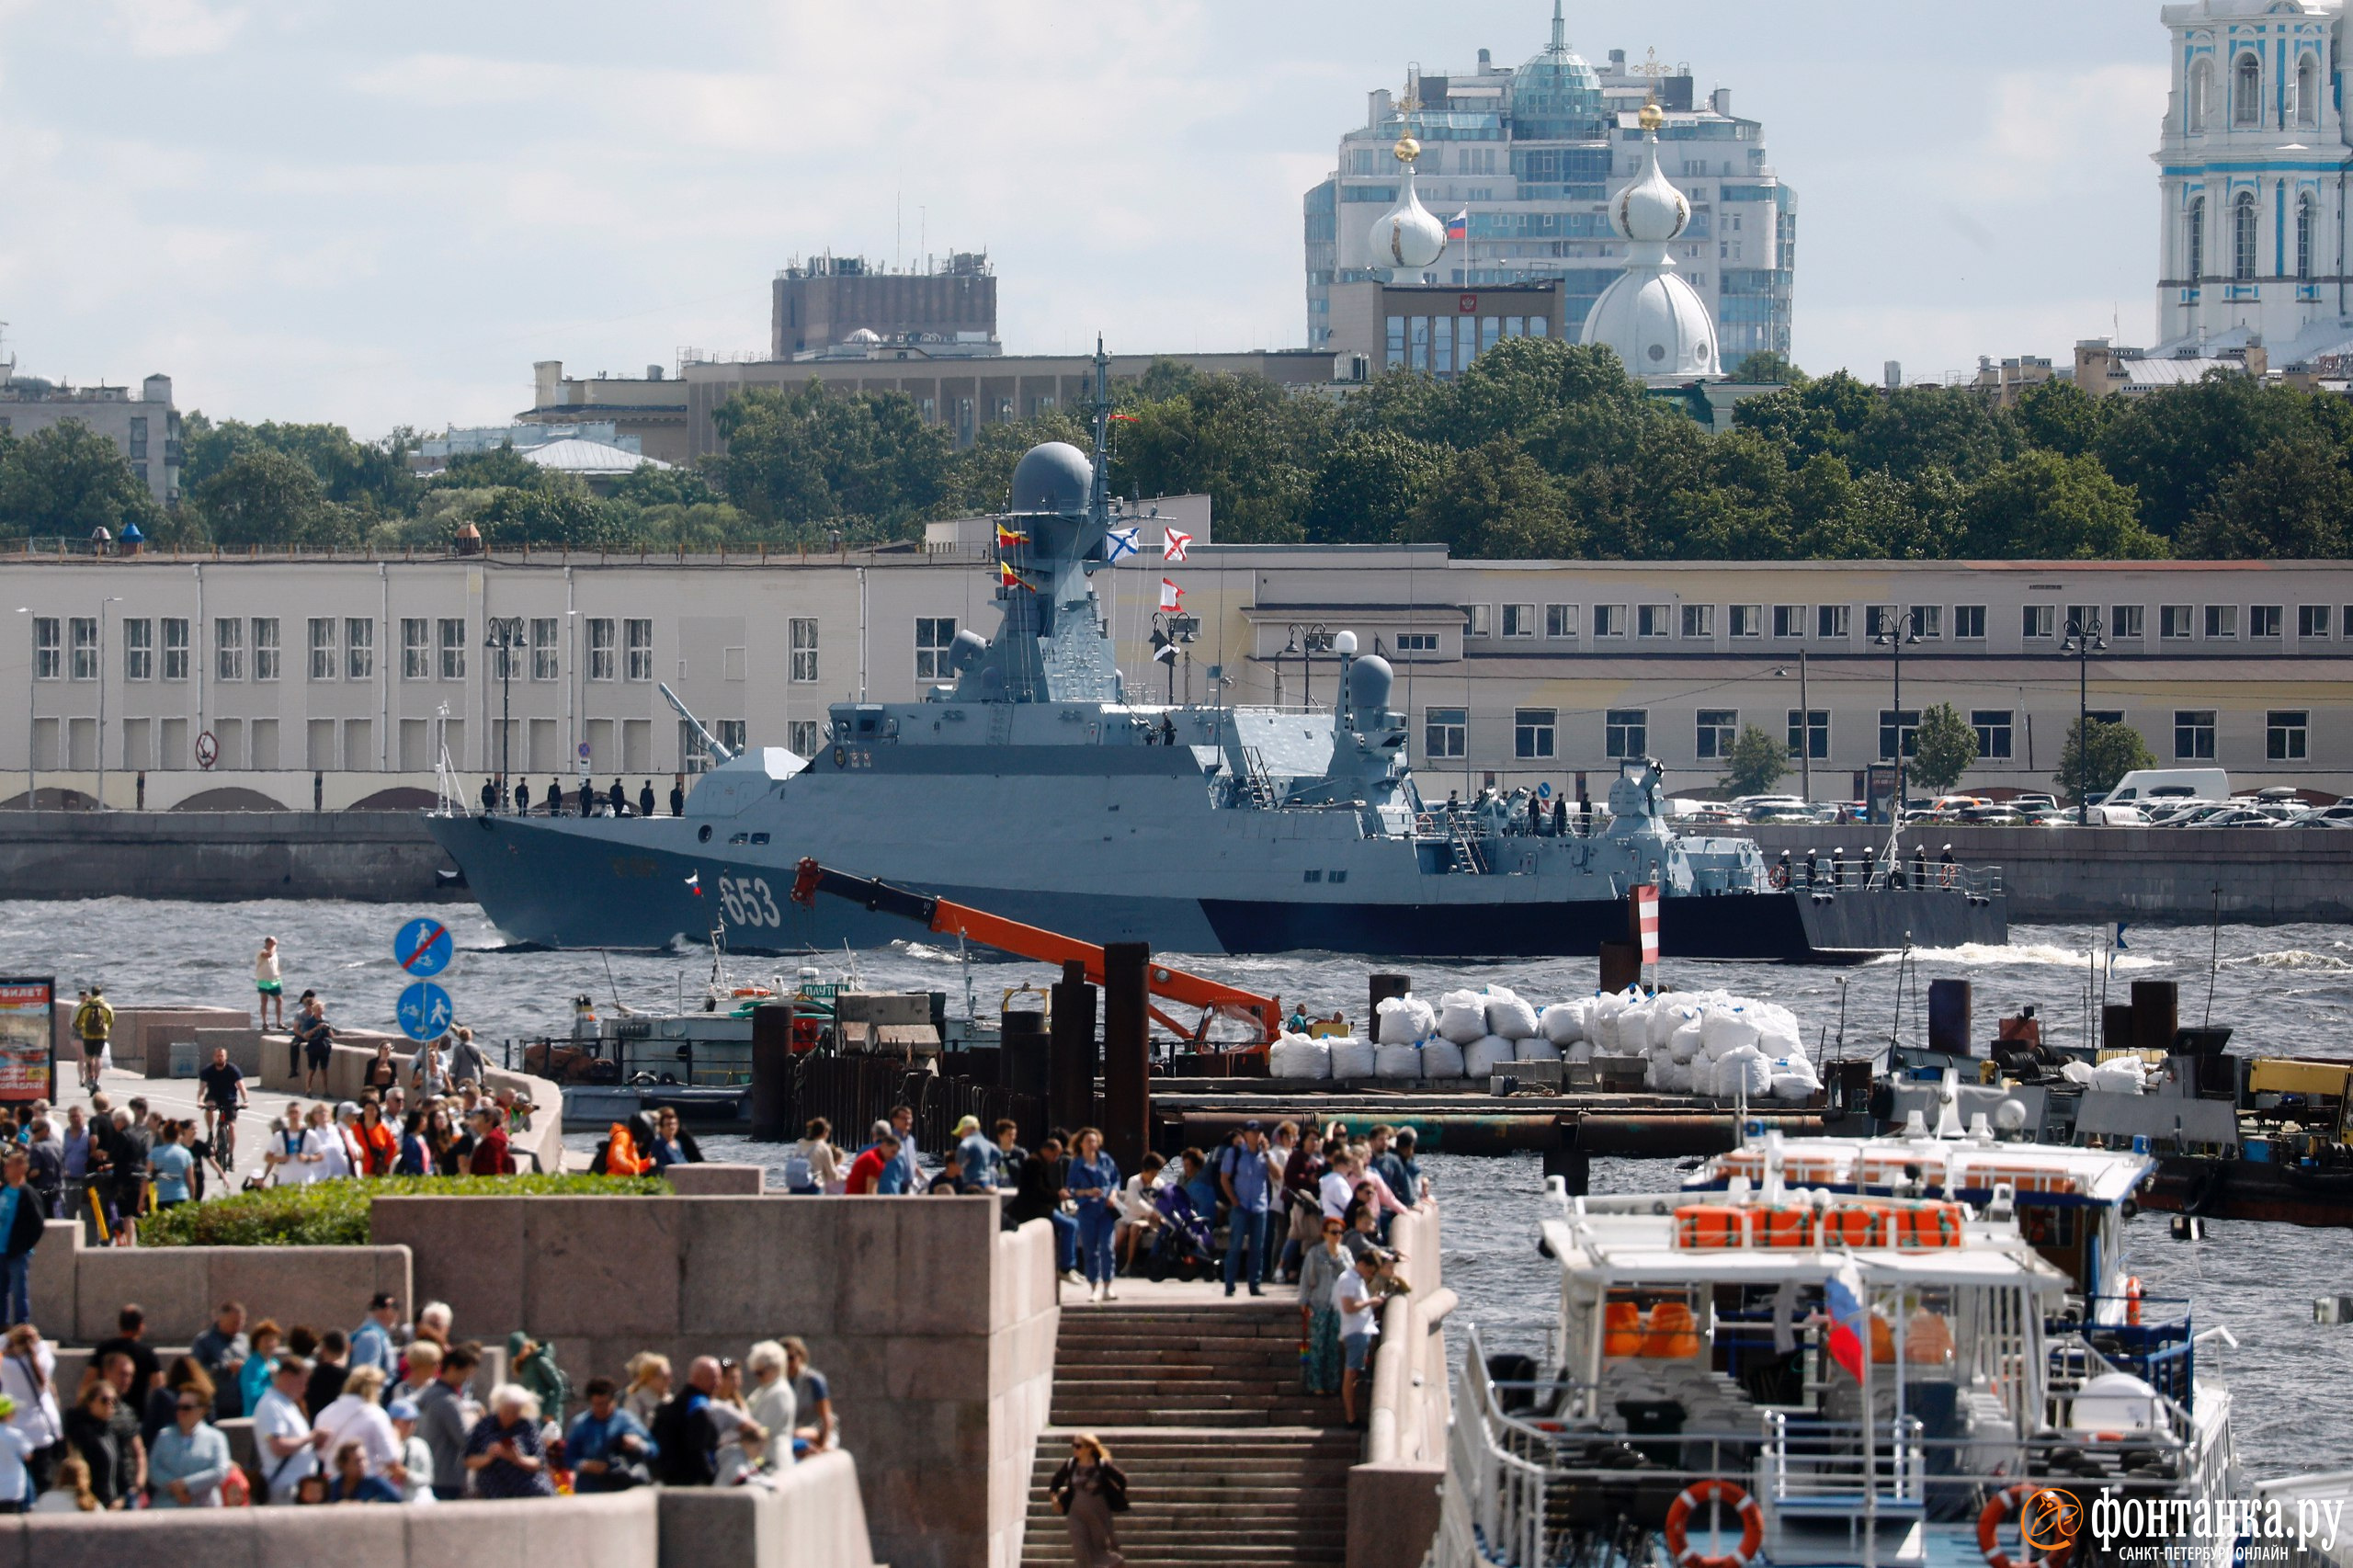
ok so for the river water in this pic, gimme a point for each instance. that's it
(2284, 989)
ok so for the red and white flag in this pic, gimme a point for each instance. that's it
(1172, 545)
(1646, 921)
(1171, 596)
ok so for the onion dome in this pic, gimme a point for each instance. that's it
(1655, 321)
(1407, 238)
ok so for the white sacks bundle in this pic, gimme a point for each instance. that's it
(1484, 1055)
(1725, 1030)
(1296, 1056)
(1541, 1049)
(1507, 1016)
(1397, 1061)
(2118, 1075)
(1441, 1059)
(1563, 1023)
(1742, 1070)
(1794, 1078)
(1351, 1058)
(1403, 1020)
(1461, 1017)
(1685, 1043)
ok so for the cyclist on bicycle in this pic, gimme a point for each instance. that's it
(222, 1089)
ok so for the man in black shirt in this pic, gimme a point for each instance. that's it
(645, 799)
(677, 800)
(129, 1339)
(221, 1087)
(327, 1374)
(126, 1169)
(556, 797)
(618, 799)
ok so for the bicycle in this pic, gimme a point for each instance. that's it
(221, 1132)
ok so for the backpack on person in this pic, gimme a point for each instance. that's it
(800, 1175)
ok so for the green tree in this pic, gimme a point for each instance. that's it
(1757, 762)
(1945, 748)
(1916, 427)
(1497, 503)
(260, 497)
(2293, 501)
(2060, 416)
(2042, 507)
(2098, 757)
(1366, 491)
(371, 476)
(2176, 446)
(555, 517)
(810, 456)
(1251, 446)
(1767, 368)
(67, 480)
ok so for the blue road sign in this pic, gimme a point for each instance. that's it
(424, 948)
(1544, 791)
(425, 1011)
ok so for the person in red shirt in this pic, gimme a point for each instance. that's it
(489, 1156)
(380, 1144)
(866, 1171)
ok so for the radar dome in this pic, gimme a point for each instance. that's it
(966, 650)
(1369, 682)
(1053, 477)
(1344, 643)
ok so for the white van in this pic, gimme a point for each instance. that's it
(2144, 785)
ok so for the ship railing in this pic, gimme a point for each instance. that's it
(2161, 1355)
(1826, 1467)
(1979, 882)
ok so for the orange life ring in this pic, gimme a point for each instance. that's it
(1687, 1502)
(1989, 1532)
(2132, 1301)
(1780, 876)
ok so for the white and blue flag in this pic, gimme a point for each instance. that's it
(1120, 541)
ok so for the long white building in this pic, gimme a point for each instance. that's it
(336, 682)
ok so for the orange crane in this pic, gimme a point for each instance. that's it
(1262, 1013)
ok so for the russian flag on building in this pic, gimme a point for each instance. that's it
(1459, 226)
(1850, 1319)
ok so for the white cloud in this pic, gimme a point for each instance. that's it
(162, 29)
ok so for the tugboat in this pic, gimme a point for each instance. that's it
(1876, 1352)
(1035, 784)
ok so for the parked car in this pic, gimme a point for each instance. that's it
(2034, 802)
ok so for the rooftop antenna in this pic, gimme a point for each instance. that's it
(1559, 30)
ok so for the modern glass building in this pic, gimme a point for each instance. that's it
(1527, 157)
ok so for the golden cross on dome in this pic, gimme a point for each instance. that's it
(1650, 67)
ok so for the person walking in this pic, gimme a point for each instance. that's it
(465, 1060)
(94, 1027)
(28, 1382)
(1320, 1269)
(1088, 1490)
(1095, 1185)
(312, 1044)
(21, 1226)
(1248, 1186)
(270, 983)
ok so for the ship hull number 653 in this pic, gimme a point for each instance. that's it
(748, 902)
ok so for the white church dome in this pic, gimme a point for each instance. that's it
(1655, 321)
(1406, 237)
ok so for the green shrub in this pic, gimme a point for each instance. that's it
(334, 1213)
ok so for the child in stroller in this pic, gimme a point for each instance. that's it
(1184, 1247)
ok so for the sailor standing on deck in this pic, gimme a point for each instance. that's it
(618, 798)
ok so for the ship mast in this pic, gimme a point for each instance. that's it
(1099, 501)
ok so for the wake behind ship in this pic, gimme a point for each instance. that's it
(1032, 786)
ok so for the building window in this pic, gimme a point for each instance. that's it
(1531, 733)
(2264, 621)
(1878, 619)
(1749, 620)
(2195, 232)
(2079, 619)
(47, 655)
(453, 649)
(2312, 620)
(503, 637)
(2124, 623)
(2038, 623)
(2243, 237)
(1417, 642)
(2173, 622)
(1626, 733)
(228, 649)
(176, 647)
(138, 650)
(82, 636)
(1609, 620)
(2202, 93)
(1928, 622)
(2307, 93)
(1969, 622)
(417, 648)
(1653, 621)
(803, 637)
(801, 737)
(600, 648)
(1810, 734)
(1834, 623)
(358, 649)
(1396, 356)
(1698, 621)
(265, 647)
(637, 647)
(933, 636)
(1717, 728)
(323, 647)
(1788, 620)
(137, 441)
(2222, 623)
(2284, 731)
(1520, 621)
(2246, 94)
(545, 666)
(1443, 732)
(1993, 726)
(1898, 727)
(1478, 624)
(1559, 620)
(2304, 239)
(2193, 734)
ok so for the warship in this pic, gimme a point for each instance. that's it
(1035, 785)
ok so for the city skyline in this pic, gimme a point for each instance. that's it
(299, 219)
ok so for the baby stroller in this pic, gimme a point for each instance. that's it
(1183, 1247)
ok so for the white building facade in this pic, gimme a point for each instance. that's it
(2252, 166)
(1530, 157)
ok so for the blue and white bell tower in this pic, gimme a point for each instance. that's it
(2254, 166)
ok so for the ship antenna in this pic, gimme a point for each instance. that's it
(1099, 502)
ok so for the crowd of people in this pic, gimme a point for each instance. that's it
(584, 799)
(386, 1411)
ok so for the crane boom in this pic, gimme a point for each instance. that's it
(1263, 1014)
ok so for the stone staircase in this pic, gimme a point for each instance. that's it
(1227, 1461)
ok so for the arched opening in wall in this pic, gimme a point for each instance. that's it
(2246, 93)
(2243, 237)
(2195, 240)
(2304, 238)
(229, 797)
(2201, 95)
(2308, 91)
(401, 798)
(49, 799)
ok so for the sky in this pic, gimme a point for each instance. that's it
(311, 210)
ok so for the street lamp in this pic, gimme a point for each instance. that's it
(1895, 635)
(32, 721)
(2085, 638)
(112, 600)
(1307, 640)
(505, 637)
(1805, 728)
(1172, 636)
